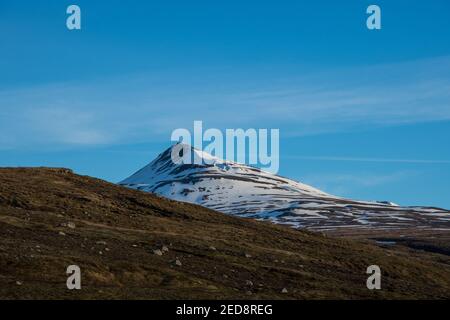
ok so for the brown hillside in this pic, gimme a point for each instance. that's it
(52, 218)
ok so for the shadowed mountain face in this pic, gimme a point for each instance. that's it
(242, 190)
(136, 245)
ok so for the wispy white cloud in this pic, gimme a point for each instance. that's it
(344, 184)
(66, 126)
(137, 108)
(378, 95)
(359, 159)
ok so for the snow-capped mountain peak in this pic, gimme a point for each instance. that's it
(184, 173)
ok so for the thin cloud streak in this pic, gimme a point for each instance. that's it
(357, 159)
(344, 184)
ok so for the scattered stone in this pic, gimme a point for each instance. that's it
(212, 248)
(284, 290)
(249, 293)
(19, 283)
(247, 255)
(101, 242)
(134, 245)
(225, 276)
(61, 233)
(249, 283)
(164, 249)
(178, 262)
(158, 252)
(71, 225)
(106, 249)
(100, 253)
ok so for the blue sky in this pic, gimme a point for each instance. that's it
(362, 114)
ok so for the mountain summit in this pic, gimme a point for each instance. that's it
(243, 190)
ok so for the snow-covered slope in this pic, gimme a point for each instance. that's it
(242, 190)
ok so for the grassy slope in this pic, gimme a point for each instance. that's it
(117, 230)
